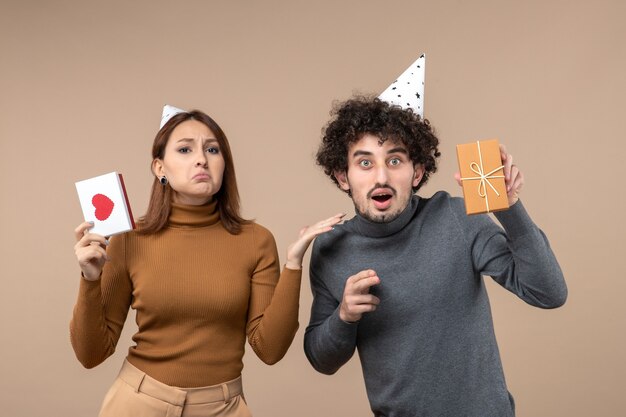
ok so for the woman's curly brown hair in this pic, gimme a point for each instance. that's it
(364, 114)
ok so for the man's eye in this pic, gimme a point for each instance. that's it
(394, 161)
(365, 163)
(213, 150)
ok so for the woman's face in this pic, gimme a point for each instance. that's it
(192, 163)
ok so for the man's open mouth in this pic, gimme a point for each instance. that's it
(381, 198)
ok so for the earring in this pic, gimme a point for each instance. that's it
(163, 180)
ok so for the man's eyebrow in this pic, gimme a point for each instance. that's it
(398, 149)
(360, 153)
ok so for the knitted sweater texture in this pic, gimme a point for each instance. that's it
(198, 292)
(429, 349)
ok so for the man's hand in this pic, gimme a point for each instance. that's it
(356, 297)
(513, 178)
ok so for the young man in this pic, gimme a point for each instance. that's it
(401, 281)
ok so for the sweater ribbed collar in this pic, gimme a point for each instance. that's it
(372, 229)
(183, 215)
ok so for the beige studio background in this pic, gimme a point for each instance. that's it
(82, 84)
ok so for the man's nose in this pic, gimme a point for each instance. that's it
(381, 174)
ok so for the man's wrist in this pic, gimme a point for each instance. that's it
(346, 317)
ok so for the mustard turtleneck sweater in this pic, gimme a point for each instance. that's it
(198, 292)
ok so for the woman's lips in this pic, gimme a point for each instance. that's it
(201, 176)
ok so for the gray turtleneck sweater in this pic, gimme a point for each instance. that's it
(429, 349)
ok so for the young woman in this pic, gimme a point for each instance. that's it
(200, 278)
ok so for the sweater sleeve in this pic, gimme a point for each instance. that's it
(101, 309)
(274, 301)
(520, 259)
(329, 342)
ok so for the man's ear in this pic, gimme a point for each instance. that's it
(418, 174)
(157, 168)
(342, 179)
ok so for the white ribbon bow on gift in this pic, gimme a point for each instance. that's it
(484, 178)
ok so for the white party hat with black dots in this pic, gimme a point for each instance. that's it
(168, 113)
(408, 90)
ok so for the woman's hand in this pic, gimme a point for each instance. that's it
(90, 251)
(296, 251)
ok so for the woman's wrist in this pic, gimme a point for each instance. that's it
(82, 274)
(293, 265)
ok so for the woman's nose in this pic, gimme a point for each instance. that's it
(202, 160)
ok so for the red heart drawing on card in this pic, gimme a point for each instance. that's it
(104, 206)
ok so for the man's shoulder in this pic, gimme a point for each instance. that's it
(330, 239)
(445, 210)
(441, 202)
(335, 244)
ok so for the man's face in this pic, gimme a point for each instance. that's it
(380, 177)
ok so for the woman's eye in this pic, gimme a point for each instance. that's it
(365, 163)
(213, 150)
(394, 161)
(184, 150)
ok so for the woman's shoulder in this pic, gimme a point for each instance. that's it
(256, 229)
(260, 235)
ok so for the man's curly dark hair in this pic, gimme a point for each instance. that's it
(365, 114)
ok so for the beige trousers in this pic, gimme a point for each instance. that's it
(135, 394)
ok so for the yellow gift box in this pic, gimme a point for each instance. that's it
(482, 176)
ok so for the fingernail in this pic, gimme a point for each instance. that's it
(91, 223)
(106, 242)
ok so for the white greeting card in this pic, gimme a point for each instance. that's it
(104, 201)
(408, 90)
